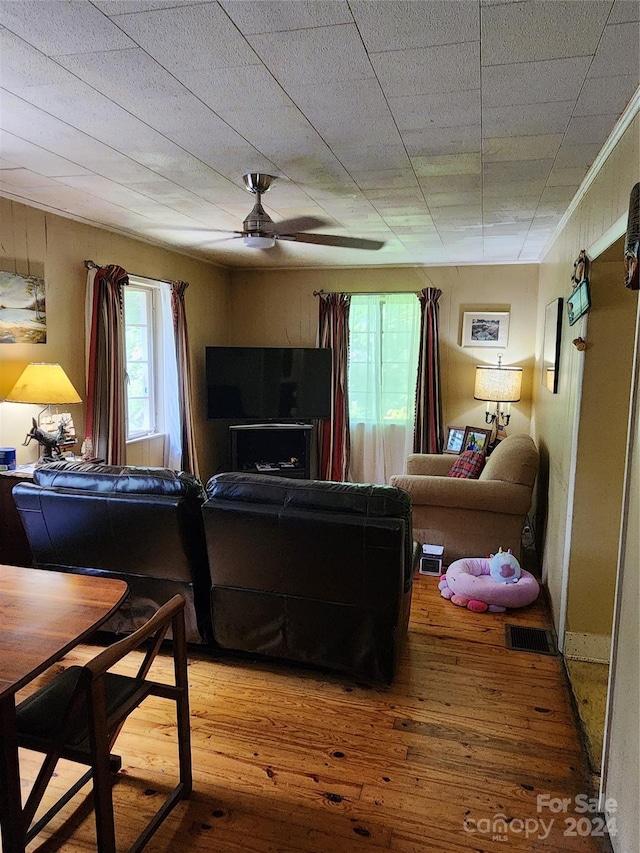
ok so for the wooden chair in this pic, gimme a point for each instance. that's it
(79, 715)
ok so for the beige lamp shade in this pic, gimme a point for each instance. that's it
(43, 384)
(498, 384)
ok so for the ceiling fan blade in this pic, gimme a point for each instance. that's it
(301, 223)
(334, 240)
(203, 230)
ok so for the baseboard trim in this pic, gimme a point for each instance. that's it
(595, 648)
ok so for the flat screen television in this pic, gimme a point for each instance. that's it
(268, 383)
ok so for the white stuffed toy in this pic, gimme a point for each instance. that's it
(504, 568)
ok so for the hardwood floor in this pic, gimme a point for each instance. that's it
(451, 758)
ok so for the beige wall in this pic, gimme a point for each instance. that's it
(606, 200)
(40, 243)
(602, 439)
(278, 308)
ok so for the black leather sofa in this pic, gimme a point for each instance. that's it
(311, 571)
(143, 525)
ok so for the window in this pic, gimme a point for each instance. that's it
(383, 358)
(382, 374)
(140, 353)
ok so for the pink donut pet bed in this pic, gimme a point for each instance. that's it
(494, 584)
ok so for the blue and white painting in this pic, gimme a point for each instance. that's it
(23, 318)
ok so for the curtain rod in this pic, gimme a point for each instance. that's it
(92, 265)
(364, 292)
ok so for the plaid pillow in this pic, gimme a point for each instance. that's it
(469, 465)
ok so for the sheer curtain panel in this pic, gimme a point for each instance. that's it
(383, 360)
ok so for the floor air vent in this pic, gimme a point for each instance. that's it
(522, 639)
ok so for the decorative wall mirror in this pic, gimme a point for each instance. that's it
(551, 348)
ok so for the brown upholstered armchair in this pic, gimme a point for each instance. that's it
(472, 518)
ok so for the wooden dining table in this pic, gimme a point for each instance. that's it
(43, 614)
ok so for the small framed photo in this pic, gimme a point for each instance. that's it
(579, 302)
(455, 437)
(476, 438)
(485, 328)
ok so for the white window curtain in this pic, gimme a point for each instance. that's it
(383, 365)
(169, 383)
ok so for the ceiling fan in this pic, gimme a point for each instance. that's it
(259, 231)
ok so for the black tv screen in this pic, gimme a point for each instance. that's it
(268, 383)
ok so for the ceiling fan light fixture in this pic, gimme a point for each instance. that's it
(256, 241)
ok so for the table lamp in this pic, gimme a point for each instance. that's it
(43, 385)
(499, 385)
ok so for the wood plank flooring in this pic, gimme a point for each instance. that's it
(450, 759)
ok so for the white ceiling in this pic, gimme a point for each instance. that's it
(455, 131)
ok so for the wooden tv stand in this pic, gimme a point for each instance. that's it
(280, 450)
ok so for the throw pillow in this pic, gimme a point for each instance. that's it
(469, 465)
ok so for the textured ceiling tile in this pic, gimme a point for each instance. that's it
(428, 70)
(330, 54)
(533, 82)
(414, 112)
(503, 149)
(390, 178)
(129, 77)
(520, 170)
(453, 199)
(36, 158)
(274, 16)
(447, 140)
(493, 188)
(618, 52)
(118, 7)
(576, 155)
(450, 183)
(601, 95)
(372, 156)
(401, 196)
(624, 10)
(23, 65)
(400, 25)
(562, 28)
(15, 177)
(590, 129)
(189, 38)
(567, 176)
(227, 90)
(67, 26)
(447, 164)
(526, 119)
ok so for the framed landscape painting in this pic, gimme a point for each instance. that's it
(476, 438)
(23, 318)
(485, 328)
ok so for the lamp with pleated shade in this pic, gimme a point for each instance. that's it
(499, 385)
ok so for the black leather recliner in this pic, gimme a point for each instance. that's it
(311, 571)
(142, 525)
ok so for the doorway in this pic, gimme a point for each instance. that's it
(598, 498)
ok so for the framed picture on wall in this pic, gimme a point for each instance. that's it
(485, 328)
(579, 302)
(476, 438)
(551, 346)
(455, 437)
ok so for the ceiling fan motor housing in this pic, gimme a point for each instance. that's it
(258, 222)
